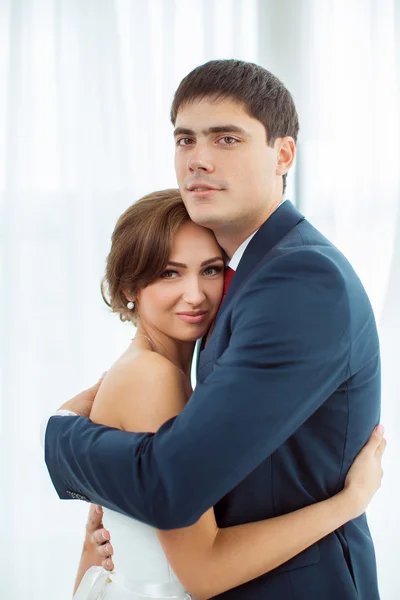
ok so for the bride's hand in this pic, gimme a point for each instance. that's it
(83, 402)
(365, 475)
(99, 537)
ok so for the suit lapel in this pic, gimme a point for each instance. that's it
(269, 235)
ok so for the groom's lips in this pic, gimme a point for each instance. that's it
(193, 316)
(201, 189)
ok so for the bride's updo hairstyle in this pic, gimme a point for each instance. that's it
(141, 247)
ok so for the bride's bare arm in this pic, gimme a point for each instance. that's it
(206, 559)
(209, 561)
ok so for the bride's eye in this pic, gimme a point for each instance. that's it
(214, 270)
(169, 274)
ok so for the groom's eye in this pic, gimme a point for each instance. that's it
(183, 141)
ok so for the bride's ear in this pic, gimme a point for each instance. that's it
(128, 296)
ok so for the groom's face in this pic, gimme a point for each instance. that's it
(227, 174)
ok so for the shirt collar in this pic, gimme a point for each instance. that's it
(237, 257)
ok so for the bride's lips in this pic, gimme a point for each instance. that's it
(192, 317)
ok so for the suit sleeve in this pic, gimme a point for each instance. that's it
(287, 354)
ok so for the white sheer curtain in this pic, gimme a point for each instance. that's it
(85, 89)
(342, 62)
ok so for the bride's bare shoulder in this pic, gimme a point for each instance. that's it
(140, 392)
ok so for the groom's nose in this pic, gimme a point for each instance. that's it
(200, 159)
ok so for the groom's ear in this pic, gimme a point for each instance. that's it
(286, 151)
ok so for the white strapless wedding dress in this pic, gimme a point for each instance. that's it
(141, 569)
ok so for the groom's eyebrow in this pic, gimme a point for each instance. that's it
(209, 261)
(210, 130)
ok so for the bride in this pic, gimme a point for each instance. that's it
(165, 274)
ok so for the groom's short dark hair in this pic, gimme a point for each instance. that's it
(262, 95)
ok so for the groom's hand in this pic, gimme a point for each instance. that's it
(83, 402)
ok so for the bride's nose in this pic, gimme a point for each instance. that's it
(193, 293)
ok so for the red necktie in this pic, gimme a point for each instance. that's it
(229, 273)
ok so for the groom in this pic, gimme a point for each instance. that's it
(288, 385)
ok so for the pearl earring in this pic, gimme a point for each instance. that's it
(130, 305)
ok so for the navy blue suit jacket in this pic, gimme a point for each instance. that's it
(288, 392)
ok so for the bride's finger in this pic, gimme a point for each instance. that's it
(105, 551)
(94, 518)
(374, 441)
(108, 564)
(100, 537)
(381, 448)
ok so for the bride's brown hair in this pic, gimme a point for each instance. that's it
(141, 247)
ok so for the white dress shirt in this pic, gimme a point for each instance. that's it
(237, 257)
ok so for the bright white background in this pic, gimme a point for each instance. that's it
(85, 90)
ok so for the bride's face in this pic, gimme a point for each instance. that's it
(183, 302)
